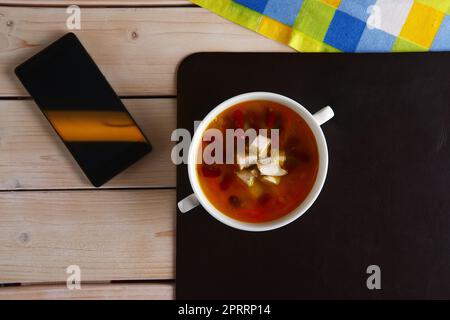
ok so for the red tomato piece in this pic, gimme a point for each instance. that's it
(264, 199)
(255, 121)
(301, 156)
(270, 119)
(227, 179)
(238, 119)
(211, 171)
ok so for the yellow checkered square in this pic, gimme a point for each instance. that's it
(422, 25)
(275, 30)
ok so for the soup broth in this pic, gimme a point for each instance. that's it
(250, 194)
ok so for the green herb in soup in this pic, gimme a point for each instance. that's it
(262, 184)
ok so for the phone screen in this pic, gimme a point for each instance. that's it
(83, 109)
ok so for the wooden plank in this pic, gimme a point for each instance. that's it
(96, 3)
(110, 235)
(137, 49)
(33, 157)
(138, 291)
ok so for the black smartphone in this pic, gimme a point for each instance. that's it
(83, 109)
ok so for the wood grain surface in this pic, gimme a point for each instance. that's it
(106, 291)
(97, 3)
(109, 234)
(138, 49)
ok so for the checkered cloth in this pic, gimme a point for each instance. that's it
(344, 25)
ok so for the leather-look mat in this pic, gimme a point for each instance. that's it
(386, 201)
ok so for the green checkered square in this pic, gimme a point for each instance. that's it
(440, 5)
(402, 45)
(244, 16)
(314, 19)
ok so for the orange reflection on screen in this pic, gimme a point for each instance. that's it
(95, 126)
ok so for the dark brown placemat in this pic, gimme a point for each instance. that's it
(386, 200)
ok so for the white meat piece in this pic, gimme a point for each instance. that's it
(247, 177)
(245, 161)
(260, 146)
(255, 172)
(274, 180)
(270, 167)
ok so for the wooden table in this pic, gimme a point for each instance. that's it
(122, 235)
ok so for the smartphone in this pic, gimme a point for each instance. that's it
(83, 109)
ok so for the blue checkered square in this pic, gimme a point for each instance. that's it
(257, 5)
(375, 40)
(284, 11)
(357, 9)
(344, 32)
(442, 39)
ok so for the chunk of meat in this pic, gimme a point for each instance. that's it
(245, 161)
(235, 201)
(270, 167)
(260, 146)
(270, 179)
(247, 177)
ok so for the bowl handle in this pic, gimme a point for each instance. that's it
(323, 115)
(188, 203)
